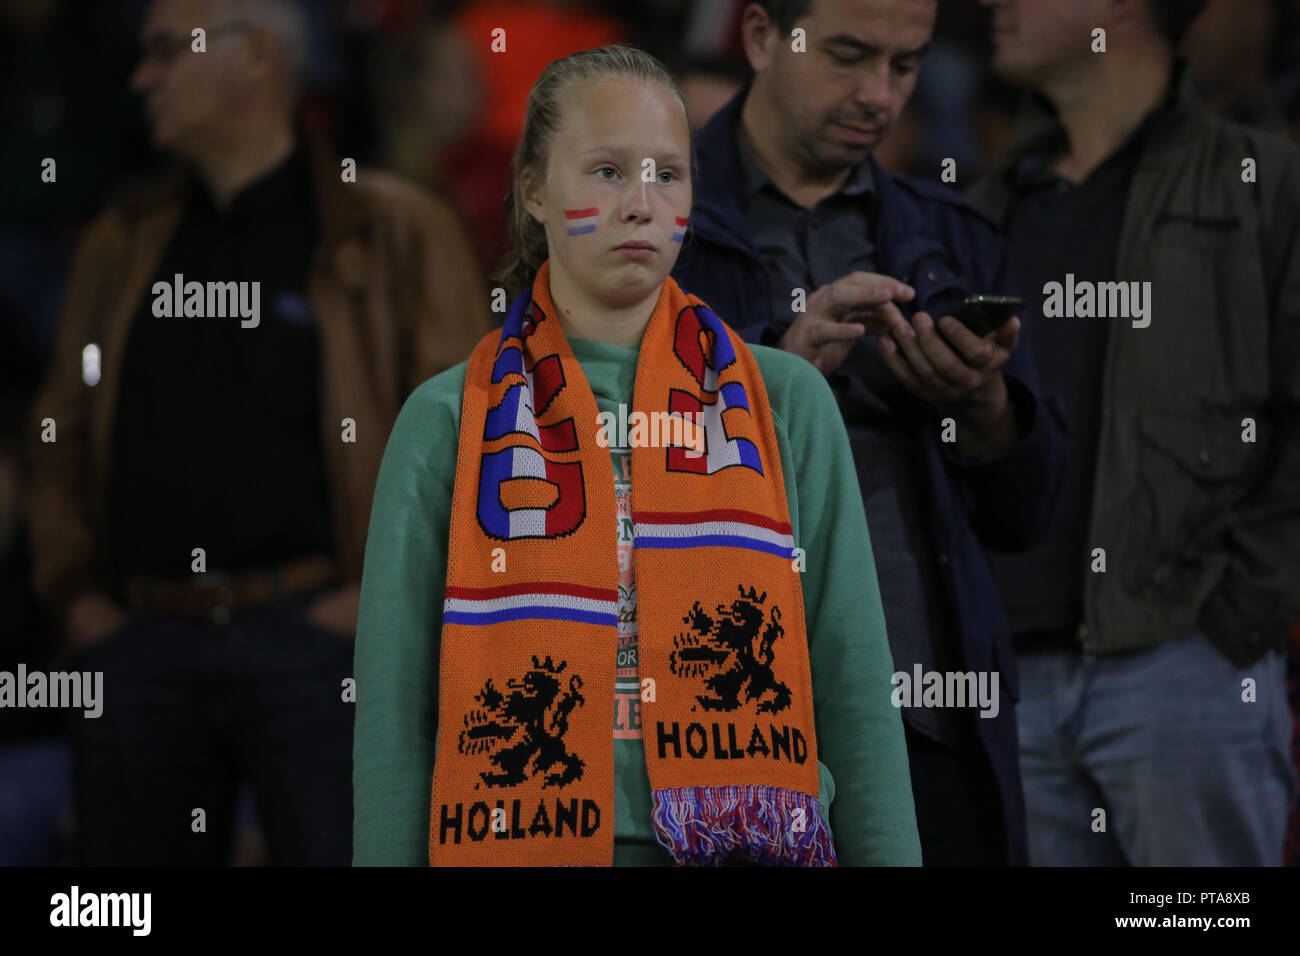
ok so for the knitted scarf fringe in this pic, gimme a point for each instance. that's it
(707, 826)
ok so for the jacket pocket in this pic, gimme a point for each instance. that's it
(939, 289)
(1191, 228)
(1193, 470)
(1208, 448)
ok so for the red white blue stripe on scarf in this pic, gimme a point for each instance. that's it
(548, 601)
(720, 526)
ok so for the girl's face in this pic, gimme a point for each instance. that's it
(619, 170)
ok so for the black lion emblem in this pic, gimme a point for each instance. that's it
(523, 728)
(733, 651)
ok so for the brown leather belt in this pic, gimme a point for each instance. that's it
(217, 595)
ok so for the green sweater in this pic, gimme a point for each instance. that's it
(863, 761)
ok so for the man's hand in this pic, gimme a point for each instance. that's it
(90, 619)
(337, 610)
(961, 377)
(840, 313)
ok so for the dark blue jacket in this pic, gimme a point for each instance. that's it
(928, 236)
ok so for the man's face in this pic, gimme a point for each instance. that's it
(188, 96)
(610, 128)
(1035, 38)
(837, 99)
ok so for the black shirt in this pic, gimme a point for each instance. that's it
(806, 248)
(1053, 228)
(216, 443)
(810, 248)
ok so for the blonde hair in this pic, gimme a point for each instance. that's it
(542, 117)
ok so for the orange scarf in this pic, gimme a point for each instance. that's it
(524, 772)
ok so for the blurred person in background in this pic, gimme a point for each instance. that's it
(1245, 56)
(54, 55)
(35, 792)
(258, 443)
(429, 94)
(449, 92)
(790, 196)
(1150, 626)
(707, 83)
(510, 43)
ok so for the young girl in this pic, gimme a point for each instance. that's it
(619, 603)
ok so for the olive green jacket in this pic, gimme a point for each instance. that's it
(1200, 525)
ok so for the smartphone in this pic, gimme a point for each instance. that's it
(984, 313)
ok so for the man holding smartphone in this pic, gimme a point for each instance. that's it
(800, 239)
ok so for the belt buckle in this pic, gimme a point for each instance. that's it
(221, 582)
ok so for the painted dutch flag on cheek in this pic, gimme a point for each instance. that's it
(679, 229)
(581, 221)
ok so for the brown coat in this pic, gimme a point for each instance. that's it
(397, 294)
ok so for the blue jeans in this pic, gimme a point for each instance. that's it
(192, 710)
(1187, 773)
